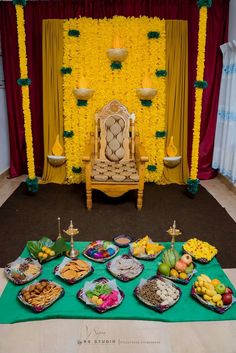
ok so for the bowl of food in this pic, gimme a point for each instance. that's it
(40, 295)
(101, 294)
(100, 250)
(23, 270)
(122, 240)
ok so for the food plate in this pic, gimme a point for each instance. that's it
(122, 240)
(22, 270)
(145, 244)
(220, 310)
(45, 249)
(73, 271)
(158, 293)
(205, 251)
(40, 295)
(180, 280)
(101, 294)
(125, 267)
(100, 251)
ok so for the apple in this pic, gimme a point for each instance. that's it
(227, 298)
(220, 288)
(187, 259)
(228, 290)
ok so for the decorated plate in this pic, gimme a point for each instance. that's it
(45, 249)
(145, 246)
(205, 250)
(125, 267)
(158, 293)
(101, 294)
(220, 310)
(73, 271)
(40, 295)
(181, 280)
(100, 251)
(23, 270)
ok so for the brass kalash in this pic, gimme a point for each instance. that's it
(173, 232)
(72, 232)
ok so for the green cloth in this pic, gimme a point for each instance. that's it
(186, 309)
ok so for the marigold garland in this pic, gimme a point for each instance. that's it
(86, 55)
(32, 181)
(198, 98)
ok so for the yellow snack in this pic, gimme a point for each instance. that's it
(44, 248)
(45, 256)
(206, 297)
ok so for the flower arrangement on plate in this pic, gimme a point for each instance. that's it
(23, 270)
(145, 249)
(100, 250)
(200, 251)
(45, 249)
(158, 293)
(101, 294)
(73, 271)
(40, 295)
(125, 267)
(175, 267)
(213, 294)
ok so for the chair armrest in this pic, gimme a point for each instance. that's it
(140, 153)
(89, 151)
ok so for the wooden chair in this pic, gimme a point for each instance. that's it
(114, 158)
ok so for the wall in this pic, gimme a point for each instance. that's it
(232, 20)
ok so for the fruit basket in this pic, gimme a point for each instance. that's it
(145, 249)
(213, 294)
(101, 294)
(73, 271)
(125, 267)
(45, 249)
(23, 270)
(201, 251)
(175, 267)
(158, 293)
(100, 251)
(40, 295)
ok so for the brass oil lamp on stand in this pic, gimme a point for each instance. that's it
(72, 232)
(173, 232)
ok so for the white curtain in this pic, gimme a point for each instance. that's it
(224, 156)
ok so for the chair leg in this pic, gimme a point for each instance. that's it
(89, 199)
(140, 200)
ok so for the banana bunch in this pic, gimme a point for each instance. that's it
(200, 249)
(205, 288)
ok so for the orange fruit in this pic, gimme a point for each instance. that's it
(215, 281)
(183, 275)
(174, 273)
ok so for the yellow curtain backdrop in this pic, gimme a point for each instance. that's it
(52, 43)
(177, 98)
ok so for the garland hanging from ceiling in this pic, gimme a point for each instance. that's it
(24, 82)
(86, 42)
(199, 85)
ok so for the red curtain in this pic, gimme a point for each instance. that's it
(36, 11)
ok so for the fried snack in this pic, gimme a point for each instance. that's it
(75, 269)
(41, 294)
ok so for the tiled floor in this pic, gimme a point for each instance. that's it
(60, 336)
